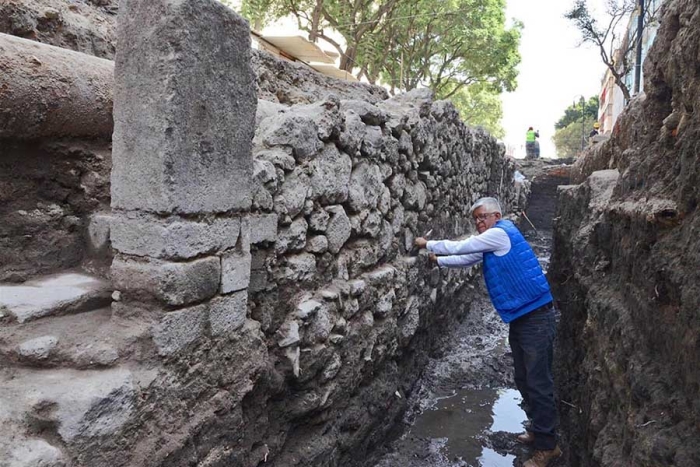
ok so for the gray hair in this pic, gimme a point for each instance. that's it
(490, 204)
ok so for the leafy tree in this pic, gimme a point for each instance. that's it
(461, 49)
(568, 139)
(480, 105)
(572, 113)
(612, 40)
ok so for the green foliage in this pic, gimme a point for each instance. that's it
(572, 113)
(461, 49)
(480, 105)
(567, 140)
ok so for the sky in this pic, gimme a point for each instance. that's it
(554, 72)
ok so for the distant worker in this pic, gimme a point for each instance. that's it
(594, 131)
(532, 147)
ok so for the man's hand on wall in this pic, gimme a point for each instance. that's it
(432, 258)
(420, 242)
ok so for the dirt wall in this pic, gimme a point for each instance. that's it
(626, 269)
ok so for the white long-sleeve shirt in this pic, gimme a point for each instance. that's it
(465, 253)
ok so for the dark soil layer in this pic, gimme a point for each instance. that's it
(626, 271)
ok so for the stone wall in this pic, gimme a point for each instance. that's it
(267, 309)
(626, 271)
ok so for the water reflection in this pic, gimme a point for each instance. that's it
(465, 416)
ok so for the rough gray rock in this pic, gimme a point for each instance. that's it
(178, 329)
(338, 229)
(331, 175)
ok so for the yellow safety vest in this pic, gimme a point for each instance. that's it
(530, 138)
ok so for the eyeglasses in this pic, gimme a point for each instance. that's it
(483, 217)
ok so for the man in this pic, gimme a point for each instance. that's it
(531, 144)
(520, 293)
(594, 131)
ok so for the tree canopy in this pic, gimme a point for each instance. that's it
(573, 112)
(461, 49)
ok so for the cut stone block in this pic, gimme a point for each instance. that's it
(178, 329)
(173, 283)
(173, 238)
(263, 227)
(184, 108)
(235, 271)
(52, 295)
(228, 313)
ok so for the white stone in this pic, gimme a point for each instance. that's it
(38, 348)
(53, 294)
(235, 271)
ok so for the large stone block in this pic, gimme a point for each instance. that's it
(184, 108)
(172, 238)
(173, 283)
(235, 271)
(179, 329)
(263, 227)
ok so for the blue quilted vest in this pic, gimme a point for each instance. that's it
(515, 281)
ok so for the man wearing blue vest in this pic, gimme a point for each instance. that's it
(520, 293)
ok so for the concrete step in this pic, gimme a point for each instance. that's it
(67, 292)
(91, 339)
(45, 413)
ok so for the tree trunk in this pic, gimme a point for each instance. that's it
(347, 61)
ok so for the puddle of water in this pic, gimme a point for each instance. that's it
(468, 414)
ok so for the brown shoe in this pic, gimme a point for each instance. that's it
(526, 438)
(543, 458)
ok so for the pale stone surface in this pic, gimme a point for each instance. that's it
(384, 304)
(294, 192)
(85, 404)
(366, 187)
(173, 283)
(235, 271)
(292, 238)
(296, 131)
(265, 227)
(317, 244)
(228, 313)
(331, 175)
(288, 334)
(338, 229)
(38, 348)
(308, 308)
(35, 453)
(98, 230)
(173, 238)
(300, 267)
(184, 122)
(50, 295)
(178, 329)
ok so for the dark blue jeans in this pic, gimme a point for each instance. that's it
(531, 341)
